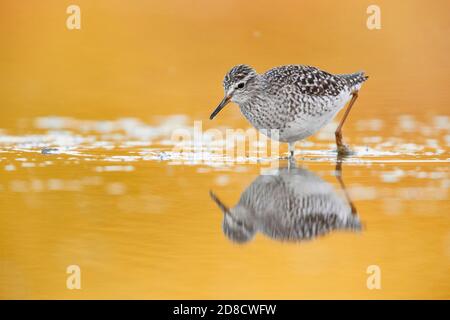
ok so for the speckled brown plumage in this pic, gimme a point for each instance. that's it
(293, 100)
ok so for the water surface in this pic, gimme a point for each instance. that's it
(111, 197)
(90, 174)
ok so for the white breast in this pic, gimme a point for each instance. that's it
(304, 125)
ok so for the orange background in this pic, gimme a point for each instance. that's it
(163, 238)
(141, 58)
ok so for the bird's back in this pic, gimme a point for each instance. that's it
(305, 98)
(311, 80)
(297, 205)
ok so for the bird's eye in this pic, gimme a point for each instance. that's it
(240, 85)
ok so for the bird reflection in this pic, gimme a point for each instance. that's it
(293, 204)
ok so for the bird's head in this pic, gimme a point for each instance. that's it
(236, 225)
(240, 84)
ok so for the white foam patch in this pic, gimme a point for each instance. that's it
(28, 165)
(174, 139)
(114, 168)
(222, 180)
(10, 167)
(407, 123)
(369, 125)
(116, 188)
(392, 176)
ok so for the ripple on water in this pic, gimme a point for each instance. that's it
(130, 139)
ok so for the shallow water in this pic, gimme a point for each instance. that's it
(92, 172)
(111, 197)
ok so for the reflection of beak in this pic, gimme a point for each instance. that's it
(219, 203)
(222, 104)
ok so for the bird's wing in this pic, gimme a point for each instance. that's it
(305, 80)
(299, 105)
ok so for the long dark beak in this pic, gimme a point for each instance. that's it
(219, 203)
(222, 104)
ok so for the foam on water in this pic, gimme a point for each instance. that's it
(129, 140)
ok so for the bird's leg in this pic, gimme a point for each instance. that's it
(291, 163)
(338, 172)
(342, 149)
(291, 149)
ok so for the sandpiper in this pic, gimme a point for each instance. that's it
(294, 101)
(294, 204)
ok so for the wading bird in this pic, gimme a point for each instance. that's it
(292, 205)
(290, 103)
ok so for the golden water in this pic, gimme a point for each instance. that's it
(137, 217)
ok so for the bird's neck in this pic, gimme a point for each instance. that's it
(259, 102)
(258, 88)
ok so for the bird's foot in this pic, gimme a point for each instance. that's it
(344, 151)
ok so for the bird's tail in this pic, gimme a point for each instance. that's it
(354, 79)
